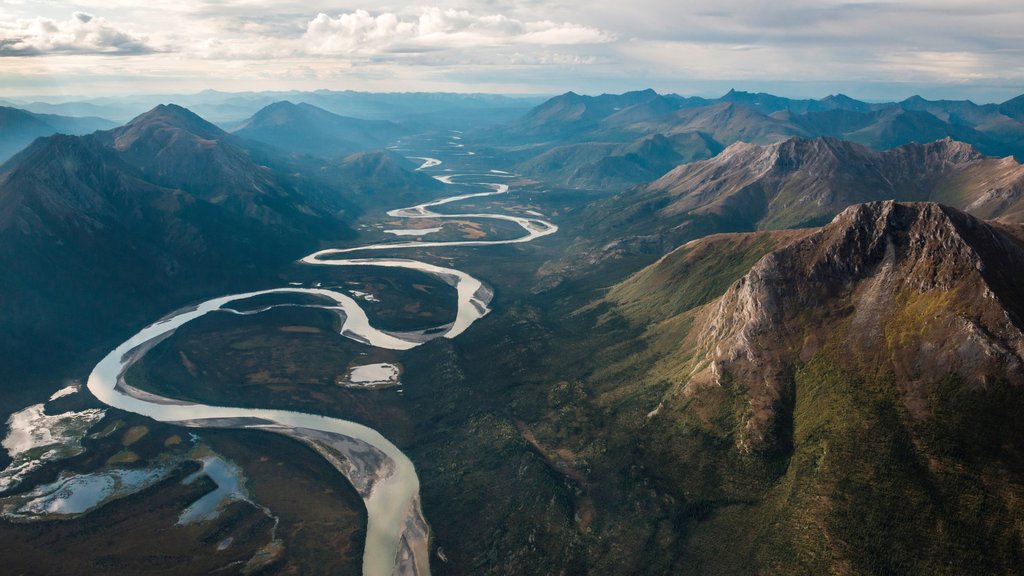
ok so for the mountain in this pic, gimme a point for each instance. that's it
(801, 182)
(306, 129)
(606, 165)
(768, 103)
(757, 118)
(1014, 108)
(836, 400)
(18, 128)
(165, 209)
(438, 110)
(844, 102)
(640, 142)
(850, 402)
(571, 114)
(728, 123)
(381, 180)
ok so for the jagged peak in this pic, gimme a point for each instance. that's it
(856, 271)
(954, 150)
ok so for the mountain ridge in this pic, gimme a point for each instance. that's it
(758, 118)
(18, 128)
(798, 183)
(857, 379)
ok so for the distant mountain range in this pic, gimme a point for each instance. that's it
(306, 129)
(556, 140)
(18, 128)
(798, 183)
(228, 109)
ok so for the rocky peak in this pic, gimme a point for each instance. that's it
(952, 151)
(795, 153)
(866, 280)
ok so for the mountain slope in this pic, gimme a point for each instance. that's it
(382, 180)
(803, 182)
(163, 210)
(849, 405)
(750, 404)
(607, 165)
(760, 118)
(306, 129)
(569, 114)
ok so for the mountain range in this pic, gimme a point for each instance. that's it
(797, 183)
(18, 128)
(770, 336)
(431, 109)
(166, 208)
(306, 129)
(556, 140)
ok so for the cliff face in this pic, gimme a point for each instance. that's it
(920, 291)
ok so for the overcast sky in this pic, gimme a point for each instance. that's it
(874, 50)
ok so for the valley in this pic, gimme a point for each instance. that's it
(773, 360)
(396, 532)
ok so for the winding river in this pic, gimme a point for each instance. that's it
(397, 533)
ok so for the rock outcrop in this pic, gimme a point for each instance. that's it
(920, 291)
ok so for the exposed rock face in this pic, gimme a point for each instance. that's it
(918, 290)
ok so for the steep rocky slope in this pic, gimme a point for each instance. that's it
(919, 289)
(849, 405)
(842, 400)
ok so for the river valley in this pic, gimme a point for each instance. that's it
(397, 532)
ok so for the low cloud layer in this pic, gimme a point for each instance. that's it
(81, 34)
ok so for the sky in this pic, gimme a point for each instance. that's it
(872, 50)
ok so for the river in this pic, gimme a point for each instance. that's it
(397, 535)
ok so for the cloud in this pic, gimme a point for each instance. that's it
(959, 46)
(81, 34)
(434, 28)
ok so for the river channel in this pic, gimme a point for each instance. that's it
(397, 534)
